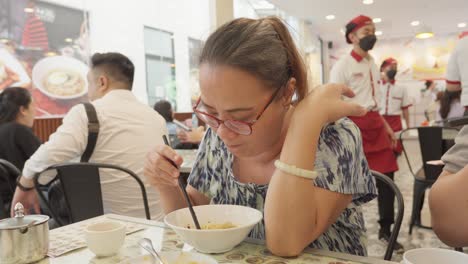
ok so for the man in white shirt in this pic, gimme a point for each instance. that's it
(457, 70)
(128, 130)
(359, 71)
(394, 100)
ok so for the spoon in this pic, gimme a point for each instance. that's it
(148, 246)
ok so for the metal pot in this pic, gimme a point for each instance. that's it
(23, 238)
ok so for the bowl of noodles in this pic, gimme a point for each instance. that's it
(222, 226)
(60, 77)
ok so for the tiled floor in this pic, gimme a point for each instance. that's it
(420, 237)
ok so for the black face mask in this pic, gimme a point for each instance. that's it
(367, 43)
(391, 74)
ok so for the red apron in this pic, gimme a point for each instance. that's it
(377, 144)
(395, 123)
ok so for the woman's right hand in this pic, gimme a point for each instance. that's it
(159, 171)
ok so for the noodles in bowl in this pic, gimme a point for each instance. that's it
(64, 82)
(209, 225)
(61, 77)
(223, 226)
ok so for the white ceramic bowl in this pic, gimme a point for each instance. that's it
(434, 256)
(173, 258)
(214, 240)
(105, 238)
(48, 64)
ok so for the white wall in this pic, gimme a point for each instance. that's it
(117, 25)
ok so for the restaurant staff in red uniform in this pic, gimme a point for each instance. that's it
(394, 100)
(359, 71)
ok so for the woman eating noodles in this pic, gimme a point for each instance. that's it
(271, 146)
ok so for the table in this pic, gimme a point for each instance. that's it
(189, 156)
(250, 251)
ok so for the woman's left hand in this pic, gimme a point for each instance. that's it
(325, 103)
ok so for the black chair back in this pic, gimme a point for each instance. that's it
(399, 216)
(430, 142)
(81, 185)
(8, 174)
(432, 147)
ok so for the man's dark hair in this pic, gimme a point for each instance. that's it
(116, 65)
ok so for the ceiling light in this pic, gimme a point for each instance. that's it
(378, 33)
(415, 23)
(368, 2)
(69, 40)
(377, 20)
(3, 40)
(330, 17)
(50, 54)
(461, 25)
(342, 31)
(29, 10)
(424, 32)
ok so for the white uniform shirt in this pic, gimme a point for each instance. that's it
(128, 130)
(394, 98)
(362, 76)
(457, 68)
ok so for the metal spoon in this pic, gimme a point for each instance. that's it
(148, 246)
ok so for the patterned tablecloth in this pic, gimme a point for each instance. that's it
(165, 239)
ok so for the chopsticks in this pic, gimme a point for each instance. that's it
(184, 191)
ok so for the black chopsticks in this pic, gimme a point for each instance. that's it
(184, 191)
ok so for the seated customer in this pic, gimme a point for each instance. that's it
(450, 106)
(164, 108)
(128, 130)
(448, 198)
(179, 138)
(17, 140)
(297, 162)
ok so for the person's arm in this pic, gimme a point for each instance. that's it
(406, 117)
(389, 131)
(68, 142)
(448, 201)
(453, 83)
(296, 211)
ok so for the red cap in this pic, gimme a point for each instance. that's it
(388, 61)
(357, 23)
(463, 34)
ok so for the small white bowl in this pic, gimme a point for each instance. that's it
(434, 256)
(214, 240)
(48, 64)
(105, 238)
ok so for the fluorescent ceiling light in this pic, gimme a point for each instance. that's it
(368, 2)
(461, 25)
(377, 20)
(378, 33)
(424, 32)
(330, 17)
(415, 23)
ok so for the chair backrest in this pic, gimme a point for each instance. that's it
(81, 185)
(400, 211)
(432, 147)
(430, 143)
(8, 172)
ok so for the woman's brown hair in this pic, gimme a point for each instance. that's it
(262, 47)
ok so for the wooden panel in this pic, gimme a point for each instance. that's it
(182, 116)
(44, 127)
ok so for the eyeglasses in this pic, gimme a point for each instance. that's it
(237, 126)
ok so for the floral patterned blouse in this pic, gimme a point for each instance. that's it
(341, 167)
